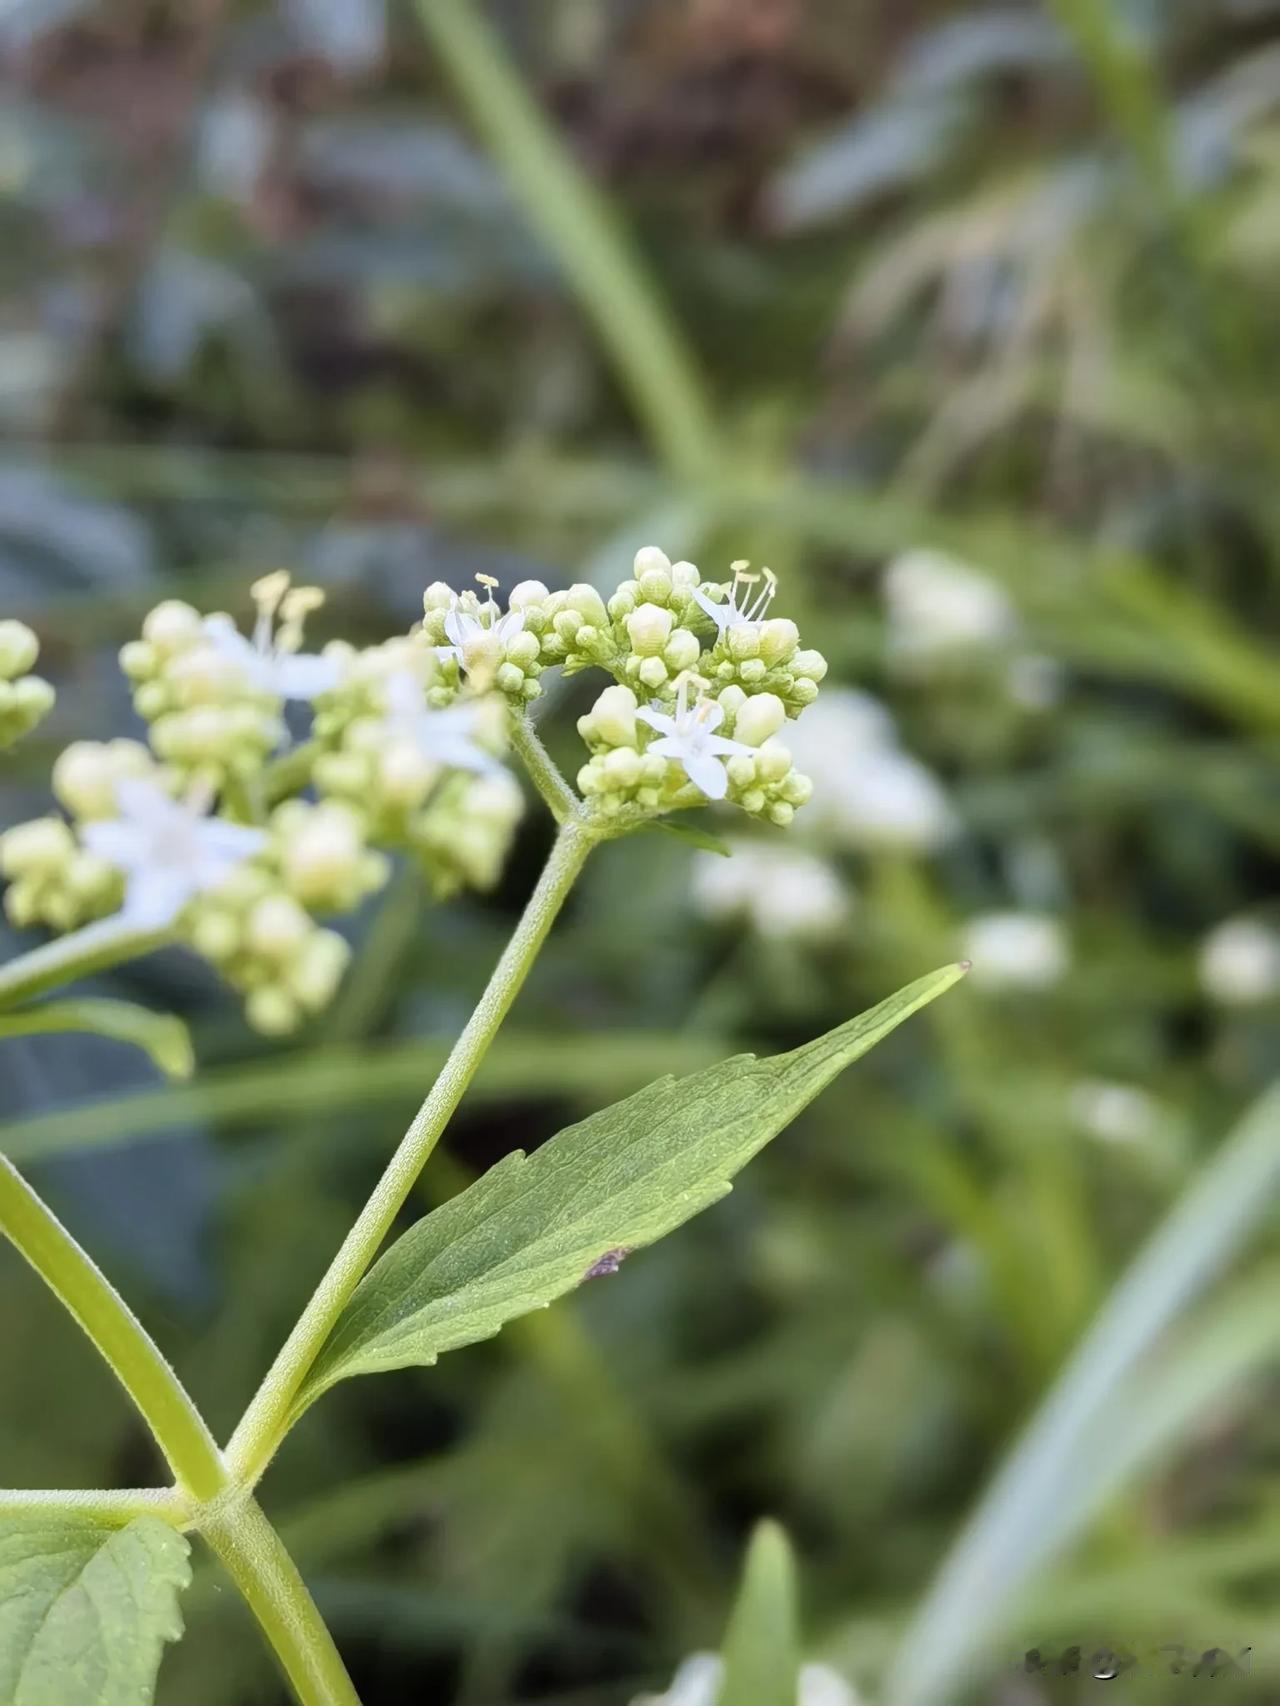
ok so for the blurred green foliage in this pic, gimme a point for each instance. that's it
(390, 295)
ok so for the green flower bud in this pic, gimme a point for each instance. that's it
(86, 773)
(172, 626)
(653, 673)
(277, 927)
(649, 629)
(758, 717)
(681, 651)
(43, 845)
(779, 638)
(613, 717)
(19, 649)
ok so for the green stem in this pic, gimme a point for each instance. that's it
(254, 1556)
(97, 946)
(651, 358)
(136, 1360)
(544, 772)
(97, 1504)
(268, 1417)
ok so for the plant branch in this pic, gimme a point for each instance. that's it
(104, 943)
(254, 1556)
(271, 1412)
(97, 1504)
(543, 771)
(137, 1362)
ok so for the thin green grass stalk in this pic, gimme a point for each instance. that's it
(653, 362)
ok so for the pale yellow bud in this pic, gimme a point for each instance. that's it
(649, 629)
(323, 854)
(19, 649)
(525, 593)
(318, 970)
(761, 716)
(682, 650)
(86, 773)
(171, 626)
(44, 844)
(406, 773)
(773, 761)
(648, 560)
(614, 716)
(277, 927)
(779, 638)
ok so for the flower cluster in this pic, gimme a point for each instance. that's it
(222, 835)
(25, 699)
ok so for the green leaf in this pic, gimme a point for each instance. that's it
(163, 1036)
(535, 1227)
(694, 834)
(85, 1610)
(762, 1643)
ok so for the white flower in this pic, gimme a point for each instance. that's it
(937, 604)
(445, 738)
(867, 790)
(1240, 962)
(690, 738)
(272, 659)
(743, 603)
(698, 1678)
(481, 635)
(1016, 950)
(169, 850)
(1114, 1113)
(780, 891)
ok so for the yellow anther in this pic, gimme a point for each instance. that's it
(267, 592)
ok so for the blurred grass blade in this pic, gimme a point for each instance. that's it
(161, 1035)
(535, 1227)
(652, 359)
(331, 1080)
(1029, 1510)
(762, 1643)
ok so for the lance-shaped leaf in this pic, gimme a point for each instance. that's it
(85, 1610)
(162, 1035)
(536, 1226)
(761, 1650)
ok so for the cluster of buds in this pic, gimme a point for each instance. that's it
(25, 699)
(215, 836)
(654, 761)
(478, 644)
(420, 763)
(214, 700)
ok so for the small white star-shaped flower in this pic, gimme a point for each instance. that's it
(446, 737)
(272, 659)
(690, 738)
(477, 641)
(740, 606)
(169, 850)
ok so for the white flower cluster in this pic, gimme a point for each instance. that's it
(1240, 963)
(780, 891)
(706, 681)
(698, 1679)
(25, 699)
(1016, 950)
(943, 613)
(226, 837)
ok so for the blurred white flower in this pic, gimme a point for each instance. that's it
(1016, 950)
(780, 891)
(272, 659)
(937, 604)
(867, 790)
(1114, 1113)
(169, 851)
(697, 1683)
(1240, 962)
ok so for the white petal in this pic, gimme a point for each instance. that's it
(712, 715)
(657, 720)
(304, 675)
(230, 841)
(145, 802)
(444, 653)
(121, 844)
(460, 627)
(155, 897)
(706, 773)
(509, 625)
(721, 614)
(401, 693)
(723, 745)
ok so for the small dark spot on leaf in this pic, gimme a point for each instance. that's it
(609, 1263)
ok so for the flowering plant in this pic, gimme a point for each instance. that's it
(227, 834)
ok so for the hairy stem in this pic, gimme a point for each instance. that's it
(254, 1556)
(97, 1504)
(543, 771)
(268, 1417)
(97, 946)
(136, 1360)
